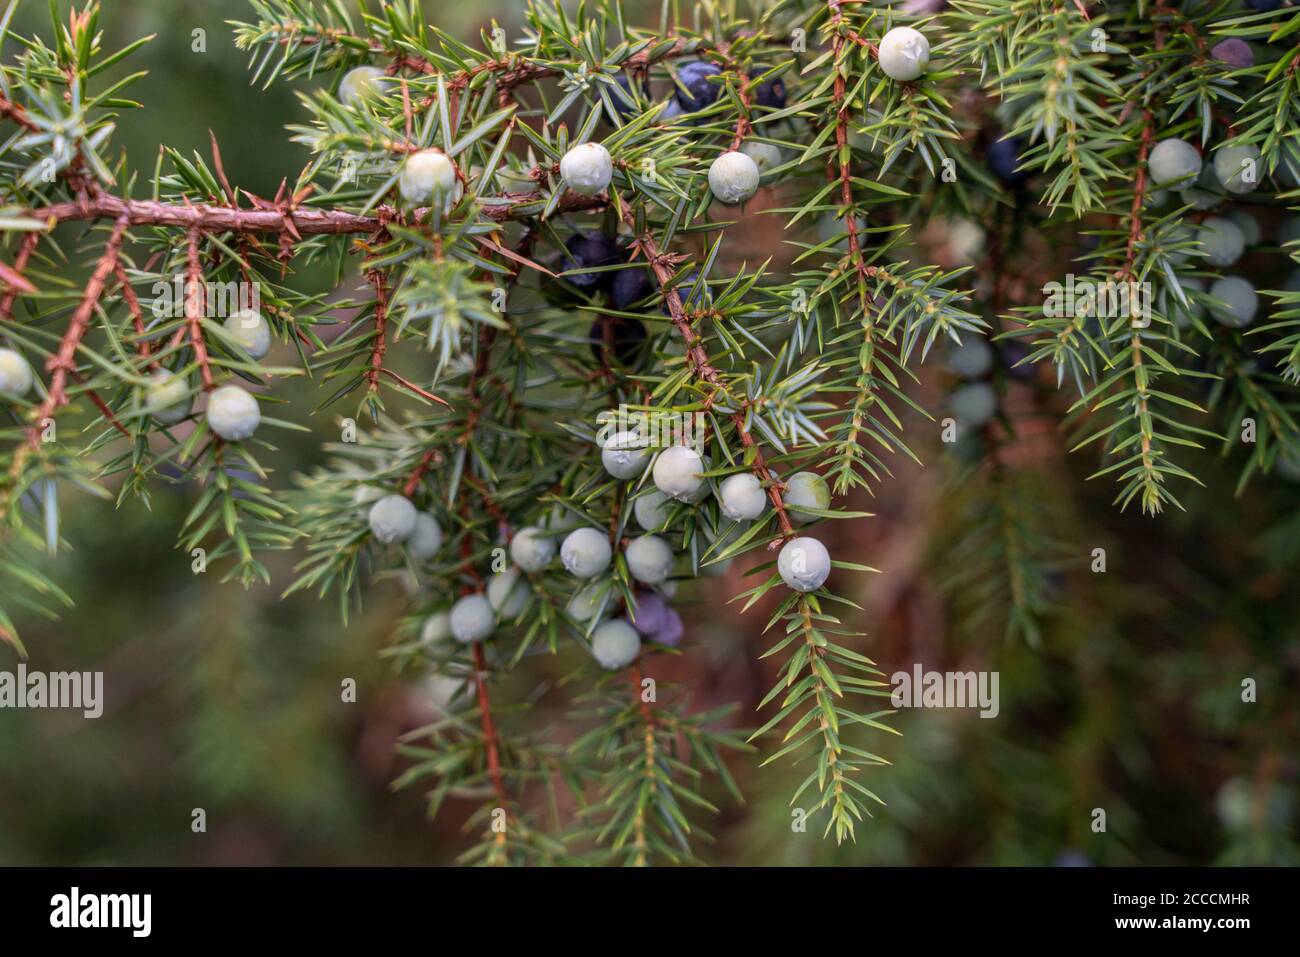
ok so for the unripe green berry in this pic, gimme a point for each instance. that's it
(233, 413)
(436, 628)
(806, 490)
(625, 455)
(1221, 241)
(586, 552)
(587, 168)
(1174, 162)
(615, 644)
(392, 519)
(167, 397)
(904, 53)
(651, 509)
(15, 374)
(472, 619)
(363, 83)
(532, 549)
(1248, 225)
(1237, 168)
(587, 602)
(741, 497)
(974, 404)
(426, 539)
(250, 330)
(804, 564)
(508, 594)
(1238, 302)
(733, 178)
(649, 559)
(765, 156)
(426, 175)
(678, 473)
(973, 359)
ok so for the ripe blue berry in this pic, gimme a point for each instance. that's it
(769, 93)
(1004, 160)
(630, 286)
(472, 619)
(615, 644)
(671, 632)
(617, 337)
(392, 519)
(589, 250)
(648, 613)
(587, 168)
(733, 177)
(695, 91)
(16, 376)
(904, 53)
(532, 549)
(233, 414)
(804, 564)
(586, 552)
(1248, 225)
(1234, 52)
(625, 104)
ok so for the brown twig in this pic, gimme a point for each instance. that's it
(25, 252)
(196, 307)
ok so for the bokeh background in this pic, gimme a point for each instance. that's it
(228, 699)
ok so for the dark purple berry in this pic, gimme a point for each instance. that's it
(1234, 52)
(1015, 356)
(1004, 159)
(695, 92)
(672, 631)
(769, 93)
(624, 102)
(686, 291)
(1263, 6)
(629, 286)
(625, 335)
(590, 249)
(651, 614)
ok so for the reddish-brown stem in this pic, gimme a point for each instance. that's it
(307, 221)
(12, 111)
(661, 265)
(381, 329)
(137, 313)
(24, 256)
(196, 307)
(490, 740)
(64, 362)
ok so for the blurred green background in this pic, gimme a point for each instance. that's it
(228, 700)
